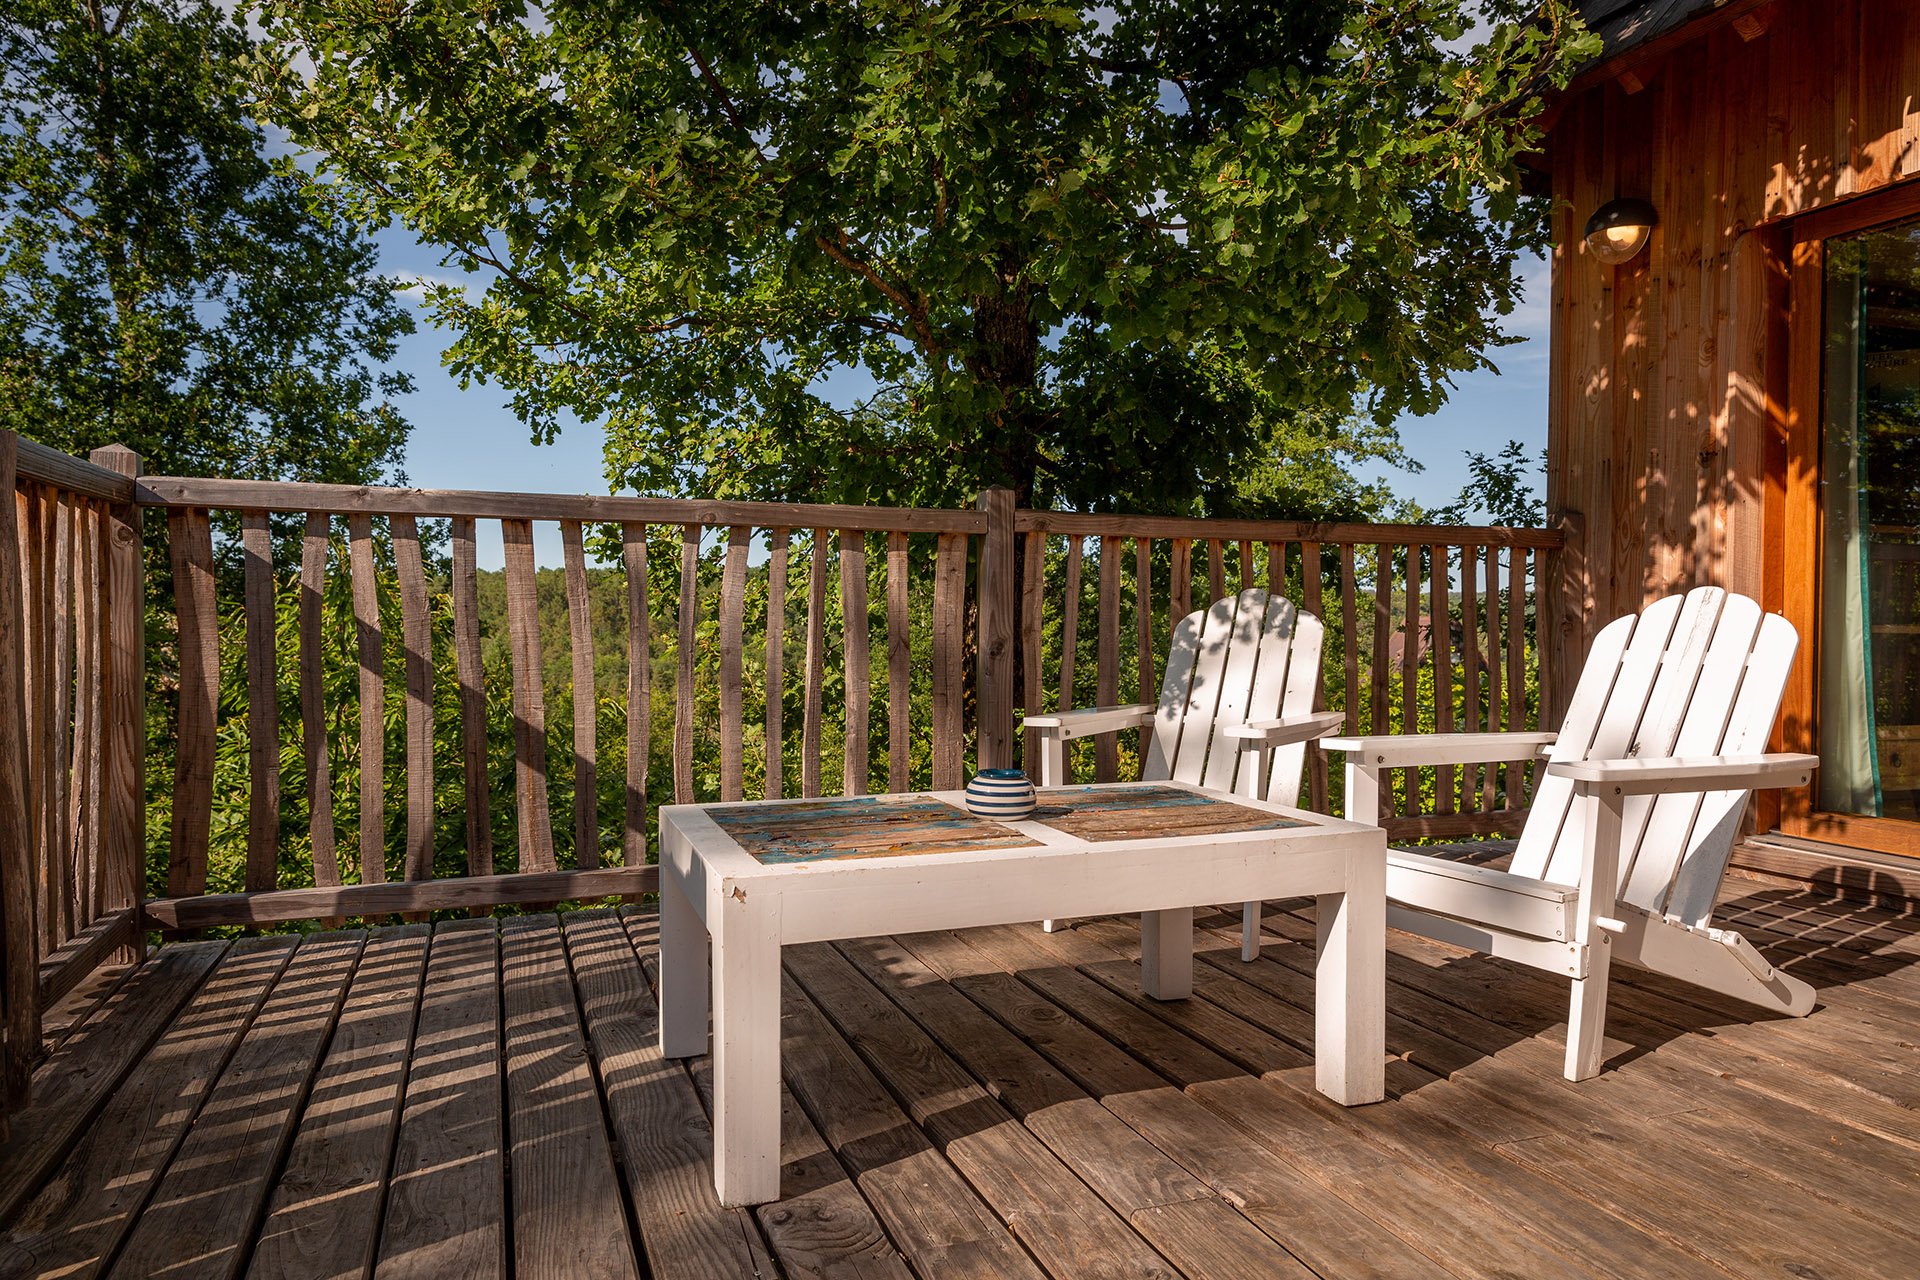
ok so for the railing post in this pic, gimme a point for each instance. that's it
(19, 991)
(993, 651)
(123, 826)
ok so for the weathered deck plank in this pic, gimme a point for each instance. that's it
(984, 1103)
(203, 1214)
(446, 1205)
(324, 1219)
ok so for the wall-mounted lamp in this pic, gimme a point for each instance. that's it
(1619, 229)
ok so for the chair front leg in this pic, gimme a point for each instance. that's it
(1255, 766)
(1053, 773)
(1593, 931)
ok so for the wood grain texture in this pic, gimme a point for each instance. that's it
(1069, 696)
(446, 1212)
(207, 1202)
(949, 644)
(471, 679)
(664, 1138)
(733, 611)
(315, 744)
(20, 929)
(633, 837)
(1033, 693)
(812, 705)
(899, 666)
(416, 641)
(323, 1219)
(565, 1192)
(123, 781)
(190, 542)
(529, 700)
(371, 645)
(856, 662)
(1106, 750)
(586, 703)
(263, 704)
(777, 544)
(475, 893)
(684, 688)
(1180, 580)
(76, 1221)
(995, 622)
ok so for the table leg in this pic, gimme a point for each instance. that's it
(746, 1049)
(1350, 987)
(684, 968)
(1166, 953)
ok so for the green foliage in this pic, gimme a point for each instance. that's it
(162, 283)
(1503, 490)
(1121, 258)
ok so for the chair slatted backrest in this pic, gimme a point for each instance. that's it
(1695, 675)
(1246, 657)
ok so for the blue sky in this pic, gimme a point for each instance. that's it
(470, 439)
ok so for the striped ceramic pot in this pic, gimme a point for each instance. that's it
(1000, 793)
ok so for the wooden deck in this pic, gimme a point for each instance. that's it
(479, 1100)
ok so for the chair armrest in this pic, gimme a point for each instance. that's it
(1286, 731)
(1091, 721)
(1398, 750)
(1657, 775)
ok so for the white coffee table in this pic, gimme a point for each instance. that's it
(739, 881)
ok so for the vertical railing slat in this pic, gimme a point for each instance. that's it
(1310, 586)
(59, 723)
(471, 679)
(533, 816)
(190, 539)
(776, 661)
(683, 693)
(812, 706)
(1350, 637)
(1439, 589)
(1382, 660)
(1033, 581)
(733, 618)
(1149, 684)
(1106, 748)
(123, 787)
(1470, 661)
(84, 802)
(1490, 778)
(313, 710)
(1216, 570)
(371, 648)
(1180, 582)
(899, 666)
(1516, 667)
(37, 662)
(856, 661)
(586, 701)
(949, 644)
(416, 642)
(263, 704)
(1070, 632)
(19, 976)
(633, 837)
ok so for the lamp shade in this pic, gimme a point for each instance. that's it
(1620, 228)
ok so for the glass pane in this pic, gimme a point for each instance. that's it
(1870, 492)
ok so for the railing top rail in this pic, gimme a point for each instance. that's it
(41, 465)
(1093, 525)
(335, 499)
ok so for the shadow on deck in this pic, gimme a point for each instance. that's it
(476, 1100)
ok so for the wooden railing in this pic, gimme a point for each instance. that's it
(71, 732)
(791, 553)
(344, 703)
(1380, 589)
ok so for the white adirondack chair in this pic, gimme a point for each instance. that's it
(1235, 710)
(1631, 827)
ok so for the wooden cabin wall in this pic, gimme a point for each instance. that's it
(1669, 373)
